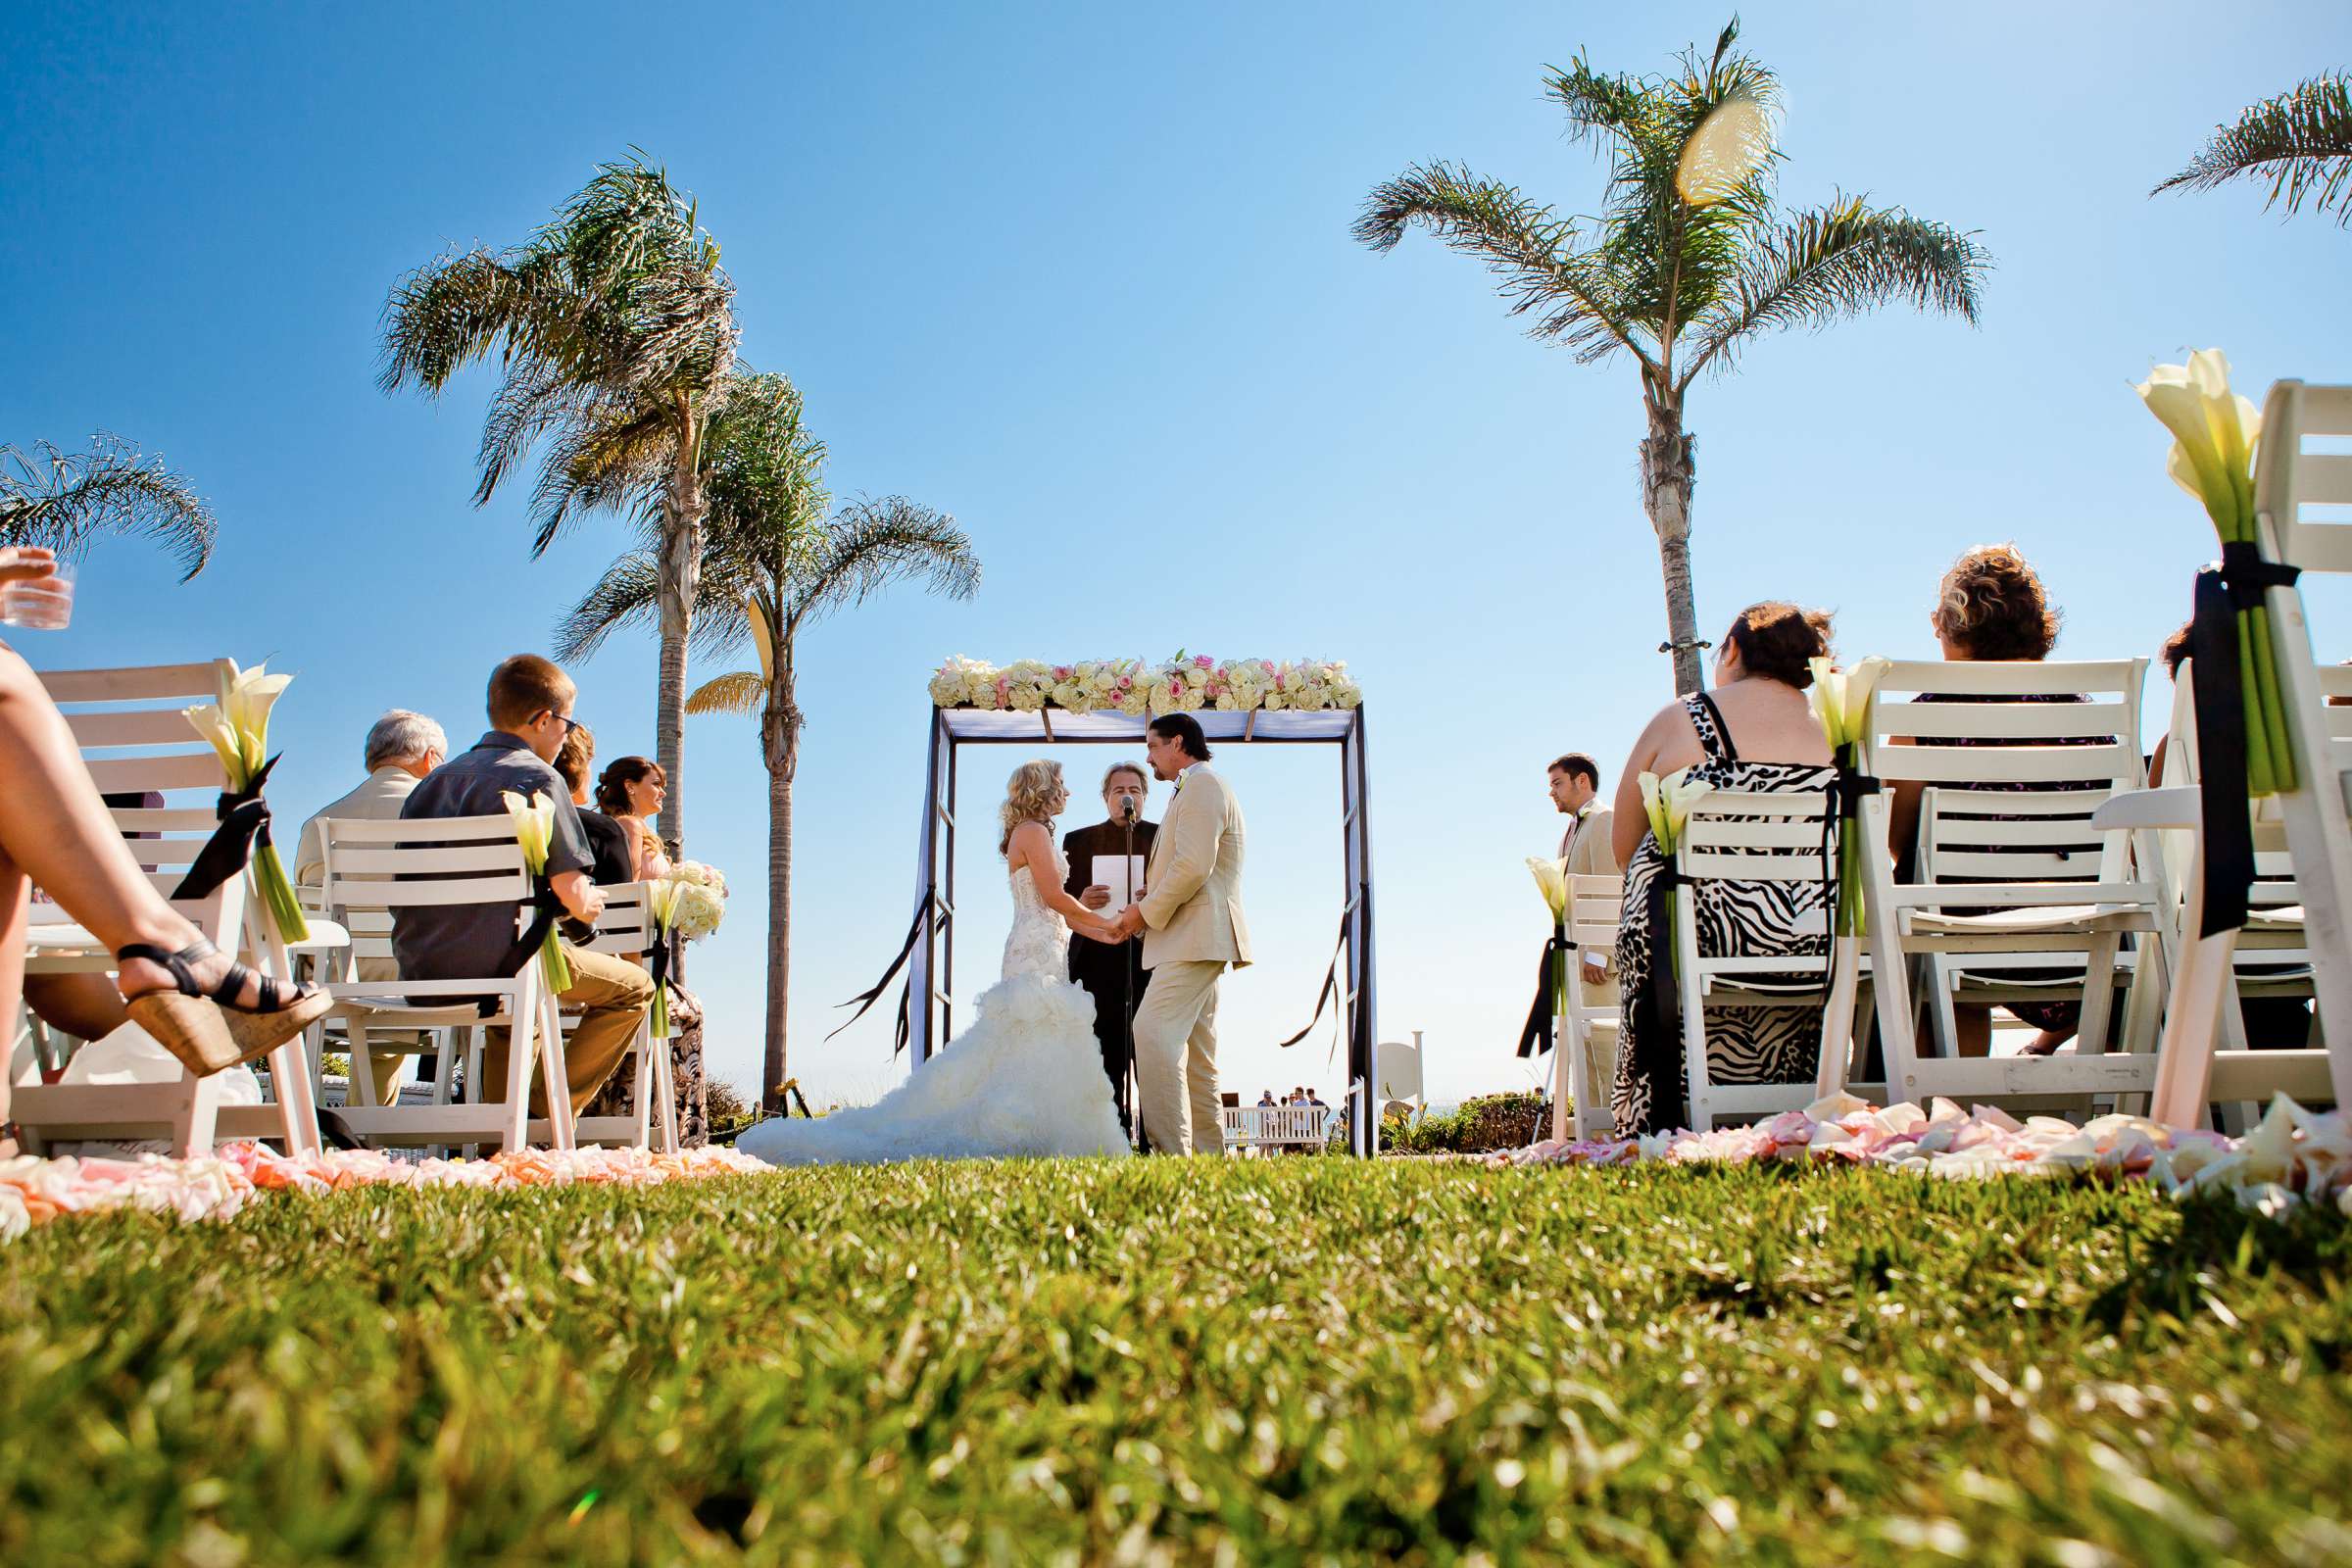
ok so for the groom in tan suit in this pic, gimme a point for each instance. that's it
(1190, 918)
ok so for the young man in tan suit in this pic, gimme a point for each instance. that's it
(1575, 782)
(1191, 918)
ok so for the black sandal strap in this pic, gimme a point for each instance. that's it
(181, 965)
(268, 995)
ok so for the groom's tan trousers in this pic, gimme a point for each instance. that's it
(1176, 1058)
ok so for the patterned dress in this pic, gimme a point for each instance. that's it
(1736, 919)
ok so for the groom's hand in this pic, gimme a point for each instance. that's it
(1131, 920)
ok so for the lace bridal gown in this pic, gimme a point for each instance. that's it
(1026, 1078)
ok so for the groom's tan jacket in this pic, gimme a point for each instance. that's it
(1193, 906)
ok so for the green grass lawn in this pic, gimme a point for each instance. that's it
(1276, 1361)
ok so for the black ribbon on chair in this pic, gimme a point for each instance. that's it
(1331, 988)
(1660, 1006)
(244, 828)
(865, 999)
(546, 909)
(2237, 583)
(662, 958)
(1536, 1037)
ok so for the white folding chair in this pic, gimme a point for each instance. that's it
(2287, 480)
(1583, 1058)
(626, 929)
(2017, 893)
(135, 738)
(375, 869)
(1745, 837)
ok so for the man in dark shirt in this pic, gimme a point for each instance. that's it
(530, 713)
(1098, 966)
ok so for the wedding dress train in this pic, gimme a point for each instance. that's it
(1026, 1078)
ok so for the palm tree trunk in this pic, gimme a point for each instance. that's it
(780, 745)
(1668, 471)
(681, 571)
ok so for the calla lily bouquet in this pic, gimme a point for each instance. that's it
(1841, 705)
(689, 903)
(1551, 881)
(1667, 803)
(2213, 435)
(238, 728)
(535, 831)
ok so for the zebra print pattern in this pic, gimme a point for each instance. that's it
(1736, 919)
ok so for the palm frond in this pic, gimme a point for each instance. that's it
(2300, 142)
(63, 499)
(628, 594)
(620, 464)
(741, 692)
(1837, 262)
(1531, 251)
(871, 545)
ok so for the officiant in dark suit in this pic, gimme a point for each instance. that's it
(1098, 966)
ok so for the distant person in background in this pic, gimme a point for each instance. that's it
(402, 748)
(631, 792)
(1268, 1099)
(1575, 786)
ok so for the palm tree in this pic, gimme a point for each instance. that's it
(773, 563)
(2300, 141)
(63, 499)
(1690, 262)
(614, 333)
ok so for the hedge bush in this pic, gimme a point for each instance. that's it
(1479, 1124)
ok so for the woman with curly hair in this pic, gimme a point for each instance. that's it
(1991, 606)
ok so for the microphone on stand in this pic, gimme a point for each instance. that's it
(1129, 810)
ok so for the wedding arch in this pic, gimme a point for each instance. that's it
(1108, 703)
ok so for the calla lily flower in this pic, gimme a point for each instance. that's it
(237, 727)
(1667, 801)
(1840, 698)
(535, 830)
(1551, 880)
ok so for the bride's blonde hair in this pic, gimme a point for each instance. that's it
(1034, 794)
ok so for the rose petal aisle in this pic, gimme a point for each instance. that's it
(33, 1189)
(2294, 1157)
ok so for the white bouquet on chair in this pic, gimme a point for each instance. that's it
(687, 906)
(1841, 705)
(238, 727)
(535, 831)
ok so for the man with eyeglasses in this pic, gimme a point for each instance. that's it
(530, 713)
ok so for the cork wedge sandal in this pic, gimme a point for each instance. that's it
(213, 1030)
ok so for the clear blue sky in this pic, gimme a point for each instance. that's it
(1082, 276)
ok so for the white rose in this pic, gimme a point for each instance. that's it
(1072, 695)
(1275, 702)
(1347, 695)
(1196, 676)
(1309, 699)
(1026, 697)
(1134, 702)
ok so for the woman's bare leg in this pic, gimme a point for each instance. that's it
(58, 832)
(86, 1007)
(1972, 1030)
(16, 895)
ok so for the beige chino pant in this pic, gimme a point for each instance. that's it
(1176, 1058)
(616, 994)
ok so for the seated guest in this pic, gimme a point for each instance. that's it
(1991, 606)
(612, 847)
(1753, 733)
(632, 793)
(530, 711)
(402, 748)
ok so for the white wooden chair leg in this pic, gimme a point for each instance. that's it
(665, 1073)
(1570, 1072)
(193, 1119)
(2099, 995)
(1837, 1019)
(1695, 1020)
(554, 1077)
(523, 1041)
(1889, 973)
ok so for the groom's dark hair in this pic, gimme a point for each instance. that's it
(1183, 727)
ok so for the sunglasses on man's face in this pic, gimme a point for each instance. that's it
(568, 722)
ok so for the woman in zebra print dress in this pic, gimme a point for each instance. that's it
(1752, 733)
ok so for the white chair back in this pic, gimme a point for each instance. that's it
(372, 872)
(1772, 844)
(135, 739)
(2015, 894)
(1585, 1056)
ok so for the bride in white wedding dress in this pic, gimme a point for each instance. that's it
(1027, 1077)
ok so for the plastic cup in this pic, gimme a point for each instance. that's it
(42, 603)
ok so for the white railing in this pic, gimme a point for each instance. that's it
(1276, 1126)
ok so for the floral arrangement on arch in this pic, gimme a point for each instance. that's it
(1183, 684)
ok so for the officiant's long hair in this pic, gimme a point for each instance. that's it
(1034, 794)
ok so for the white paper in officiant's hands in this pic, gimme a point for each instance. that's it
(1123, 874)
